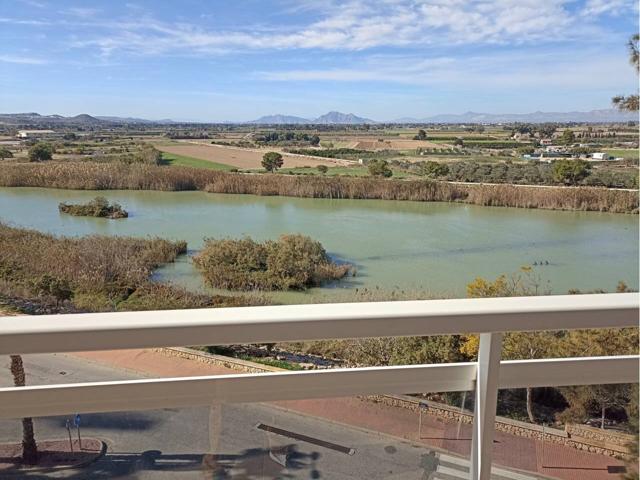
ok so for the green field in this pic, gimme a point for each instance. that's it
(182, 161)
(628, 153)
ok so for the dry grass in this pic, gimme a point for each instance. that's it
(109, 176)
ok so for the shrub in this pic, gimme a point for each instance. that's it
(292, 262)
(570, 172)
(379, 168)
(98, 207)
(41, 151)
(434, 169)
(323, 169)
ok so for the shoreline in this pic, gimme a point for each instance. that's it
(112, 176)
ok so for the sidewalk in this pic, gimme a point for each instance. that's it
(510, 451)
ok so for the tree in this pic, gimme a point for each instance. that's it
(568, 137)
(515, 345)
(458, 142)
(323, 169)
(379, 168)
(315, 140)
(570, 172)
(29, 446)
(434, 169)
(41, 151)
(422, 135)
(630, 102)
(272, 161)
(5, 153)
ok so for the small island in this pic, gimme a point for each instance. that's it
(293, 262)
(98, 207)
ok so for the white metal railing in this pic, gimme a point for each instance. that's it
(488, 317)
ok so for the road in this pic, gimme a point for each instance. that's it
(224, 441)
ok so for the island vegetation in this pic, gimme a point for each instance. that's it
(42, 273)
(98, 207)
(293, 262)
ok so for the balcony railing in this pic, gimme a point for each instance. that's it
(487, 317)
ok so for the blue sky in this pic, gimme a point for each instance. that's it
(219, 60)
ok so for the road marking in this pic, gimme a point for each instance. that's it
(305, 438)
(459, 467)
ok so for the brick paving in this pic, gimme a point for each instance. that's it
(509, 450)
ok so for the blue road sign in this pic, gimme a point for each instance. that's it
(76, 420)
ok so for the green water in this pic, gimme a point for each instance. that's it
(438, 247)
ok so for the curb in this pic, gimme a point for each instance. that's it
(22, 471)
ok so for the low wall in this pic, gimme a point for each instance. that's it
(580, 437)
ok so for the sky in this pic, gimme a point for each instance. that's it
(381, 59)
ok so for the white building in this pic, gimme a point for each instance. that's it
(600, 157)
(34, 133)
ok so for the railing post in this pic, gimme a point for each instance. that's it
(484, 417)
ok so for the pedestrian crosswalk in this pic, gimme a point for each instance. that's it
(456, 468)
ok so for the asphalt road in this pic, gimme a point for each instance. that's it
(223, 441)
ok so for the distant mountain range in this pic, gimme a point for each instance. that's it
(32, 118)
(593, 116)
(334, 118)
(331, 118)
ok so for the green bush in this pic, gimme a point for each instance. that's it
(292, 262)
(41, 151)
(379, 168)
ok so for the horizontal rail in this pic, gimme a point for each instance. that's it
(224, 326)
(149, 394)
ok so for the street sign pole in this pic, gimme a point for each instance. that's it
(77, 423)
(69, 432)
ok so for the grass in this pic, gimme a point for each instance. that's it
(174, 159)
(92, 273)
(626, 153)
(111, 176)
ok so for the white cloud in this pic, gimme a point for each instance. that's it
(520, 70)
(358, 25)
(608, 7)
(22, 60)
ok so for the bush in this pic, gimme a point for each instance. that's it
(292, 262)
(41, 151)
(323, 169)
(379, 168)
(570, 172)
(98, 207)
(434, 169)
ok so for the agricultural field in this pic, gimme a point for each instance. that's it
(240, 157)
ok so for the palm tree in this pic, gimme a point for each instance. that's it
(29, 447)
(630, 102)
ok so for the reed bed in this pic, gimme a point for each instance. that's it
(111, 176)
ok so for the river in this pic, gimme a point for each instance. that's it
(410, 246)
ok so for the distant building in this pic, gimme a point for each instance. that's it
(546, 141)
(35, 133)
(600, 157)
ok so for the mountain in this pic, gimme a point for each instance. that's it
(340, 118)
(164, 121)
(279, 119)
(33, 118)
(592, 116)
(331, 118)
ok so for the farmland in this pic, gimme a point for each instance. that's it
(239, 157)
